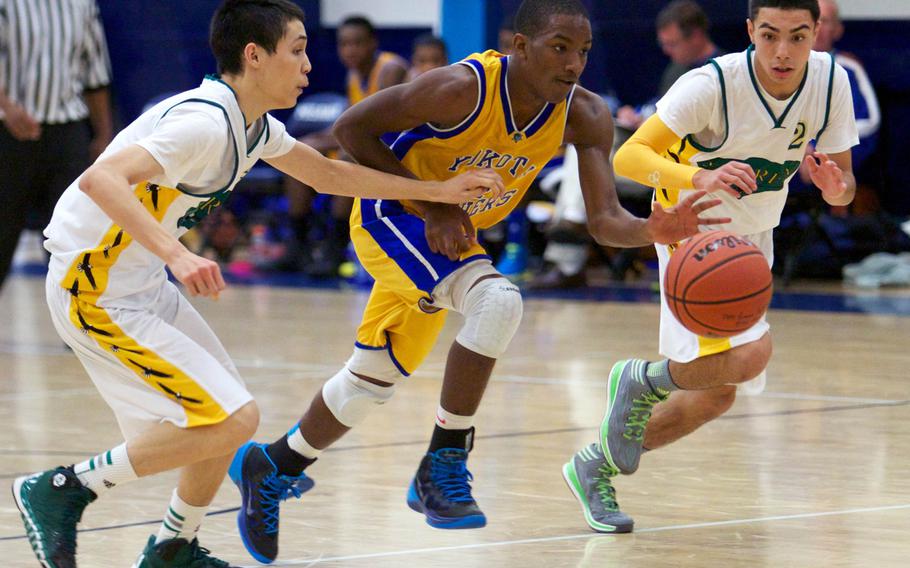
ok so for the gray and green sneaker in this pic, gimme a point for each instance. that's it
(630, 401)
(588, 475)
(51, 505)
(177, 553)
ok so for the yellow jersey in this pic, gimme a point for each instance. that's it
(487, 138)
(360, 88)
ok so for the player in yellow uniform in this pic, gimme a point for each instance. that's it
(509, 113)
(176, 394)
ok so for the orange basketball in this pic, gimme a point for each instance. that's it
(718, 284)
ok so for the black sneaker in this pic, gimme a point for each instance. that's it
(262, 490)
(51, 505)
(441, 491)
(177, 553)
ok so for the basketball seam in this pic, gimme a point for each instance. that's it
(691, 243)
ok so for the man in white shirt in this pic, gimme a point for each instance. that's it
(177, 396)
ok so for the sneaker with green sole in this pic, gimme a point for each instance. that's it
(630, 401)
(51, 504)
(589, 477)
(177, 553)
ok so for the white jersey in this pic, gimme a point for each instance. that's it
(721, 113)
(201, 141)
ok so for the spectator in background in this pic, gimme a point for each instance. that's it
(53, 109)
(369, 71)
(428, 52)
(682, 33)
(865, 103)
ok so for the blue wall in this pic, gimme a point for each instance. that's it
(162, 46)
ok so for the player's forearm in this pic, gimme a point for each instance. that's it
(354, 180)
(638, 161)
(112, 193)
(619, 228)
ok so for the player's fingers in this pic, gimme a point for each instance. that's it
(742, 180)
(705, 205)
(693, 197)
(714, 220)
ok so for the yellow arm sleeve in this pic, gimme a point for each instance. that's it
(640, 158)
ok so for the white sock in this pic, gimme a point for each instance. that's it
(448, 421)
(106, 470)
(298, 443)
(181, 521)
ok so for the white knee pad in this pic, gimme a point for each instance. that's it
(351, 398)
(492, 310)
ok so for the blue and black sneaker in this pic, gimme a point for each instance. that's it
(442, 492)
(262, 489)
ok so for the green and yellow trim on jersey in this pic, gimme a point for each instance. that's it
(86, 280)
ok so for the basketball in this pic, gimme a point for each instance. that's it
(718, 284)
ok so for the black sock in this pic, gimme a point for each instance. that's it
(287, 460)
(460, 439)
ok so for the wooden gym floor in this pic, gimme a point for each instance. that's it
(811, 473)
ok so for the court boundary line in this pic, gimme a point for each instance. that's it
(708, 524)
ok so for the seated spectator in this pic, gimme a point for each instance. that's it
(429, 52)
(369, 71)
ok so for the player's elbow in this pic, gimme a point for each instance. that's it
(345, 130)
(92, 179)
(599, 226)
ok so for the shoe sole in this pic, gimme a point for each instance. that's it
(469, 522)
(235, 472)
(27, 518)
(571, 477)
(612, 391)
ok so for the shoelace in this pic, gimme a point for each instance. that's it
(605, 488)
(201, 558)
(275, 489)
(639, 416)
(452, 479)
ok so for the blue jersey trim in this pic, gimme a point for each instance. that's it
(536, 123)
(403, 144)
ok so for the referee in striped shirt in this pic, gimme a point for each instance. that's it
(55, 113)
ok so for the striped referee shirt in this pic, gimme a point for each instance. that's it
(50, 52)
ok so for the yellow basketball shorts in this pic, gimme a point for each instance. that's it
(400, 316)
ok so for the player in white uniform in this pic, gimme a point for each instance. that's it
(177, 396)
(739, 127)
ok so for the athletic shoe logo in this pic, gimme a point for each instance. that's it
(108, 484)
(59, 480)
(426, 306)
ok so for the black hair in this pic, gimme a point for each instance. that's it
(534, 15)
(237, 23)
(430, 40)
(360, 22)
(686, 14)
(811, 5)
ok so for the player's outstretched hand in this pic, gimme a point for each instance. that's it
(201, 276)
(736, 178)
(469, 186)
(681, 221)
(825, 174)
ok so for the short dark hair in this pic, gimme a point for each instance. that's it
(534, 15)
(811, 5)
(239, 22)
(429, 40)
(686, 14)
(360, 22)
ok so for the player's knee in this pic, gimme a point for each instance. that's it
(718, 401)
(752, 358)
(240, 426)
(350, 399)
(492, 309)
